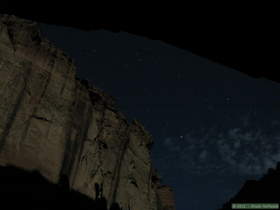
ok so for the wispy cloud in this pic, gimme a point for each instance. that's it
(236, 150)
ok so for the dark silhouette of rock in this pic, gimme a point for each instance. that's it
(246, 42)
(264, 190)
(20, 189)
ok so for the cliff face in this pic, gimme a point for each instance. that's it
(165, 196)
(56, 124)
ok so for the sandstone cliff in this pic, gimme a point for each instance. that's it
(52, 122)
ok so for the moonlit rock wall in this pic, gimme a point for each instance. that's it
(53, 122)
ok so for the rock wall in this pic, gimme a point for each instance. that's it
(52, 122)
(165, 195)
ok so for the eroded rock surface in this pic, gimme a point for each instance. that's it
(59, 125)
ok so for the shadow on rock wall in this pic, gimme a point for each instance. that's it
(20, 189)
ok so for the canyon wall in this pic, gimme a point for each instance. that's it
(54, 123)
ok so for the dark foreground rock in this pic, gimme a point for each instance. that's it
(264, 190)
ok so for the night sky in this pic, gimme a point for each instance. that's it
(213, 127)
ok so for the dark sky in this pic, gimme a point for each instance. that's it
(213, 127)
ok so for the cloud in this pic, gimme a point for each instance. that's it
(234, 133)
(250, 153)
(203, 155)
(236, 150)
(236, 144)
(169, 143)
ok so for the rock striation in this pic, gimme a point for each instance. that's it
(59, 125)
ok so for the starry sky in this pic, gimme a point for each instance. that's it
(213, 127)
